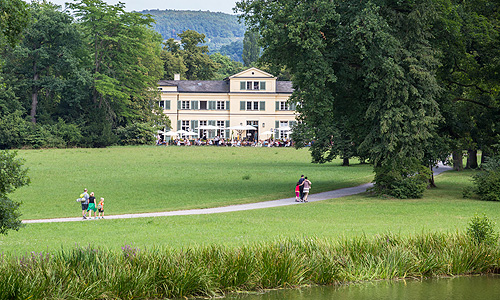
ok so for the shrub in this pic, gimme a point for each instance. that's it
(481, 230)
(136, 134)
(487, 182)
(404, 183)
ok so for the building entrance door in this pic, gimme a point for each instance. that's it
(253, 135)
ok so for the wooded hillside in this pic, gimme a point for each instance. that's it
(220, 28)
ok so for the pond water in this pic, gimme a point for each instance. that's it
(457, 288)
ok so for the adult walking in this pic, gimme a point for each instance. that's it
(85, 203)
(301, 188)
(307, 186)
(92, 207)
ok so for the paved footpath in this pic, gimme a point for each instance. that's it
(267, 204)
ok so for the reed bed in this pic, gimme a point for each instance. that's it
(96, 273)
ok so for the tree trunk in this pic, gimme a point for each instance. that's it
(484, 156)
(471, 159)
(458, 164)
(34, 96)
(345, 162)
(432, 184)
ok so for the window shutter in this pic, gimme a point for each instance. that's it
(167, 104)
(227, 105)
(262, 105)
(211, 122)
(242, 105)
(293, 106)
(263, 85)
(193, 125)
(211, 105)
(243, 85)
(227, 123)
(178, 124)
(194, 104)
(277, 124)
(178, 104)
(227, 134)
(277, 105)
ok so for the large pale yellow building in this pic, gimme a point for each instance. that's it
(252, 97)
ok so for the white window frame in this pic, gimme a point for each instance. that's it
(185, 104)
(220, 105)
(185, 125)
(284, 105)
(222, 131)
(254, 85)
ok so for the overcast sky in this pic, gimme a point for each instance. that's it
(225, 6)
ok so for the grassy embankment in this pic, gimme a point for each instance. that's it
(94, 273)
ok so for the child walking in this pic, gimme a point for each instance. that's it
(100, 208)
(297, 192)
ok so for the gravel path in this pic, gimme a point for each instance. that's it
(275, 203)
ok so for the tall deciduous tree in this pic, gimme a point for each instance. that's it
(46, 58)
(188, 59)
(251, 48)
(373, 54)
(126, 63)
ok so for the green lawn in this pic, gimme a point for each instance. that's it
(152, 179)
(442, 209)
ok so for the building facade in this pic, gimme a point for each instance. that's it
(252, 97)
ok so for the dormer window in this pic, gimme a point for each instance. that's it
(253, 85)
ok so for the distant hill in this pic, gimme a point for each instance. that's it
(219, 28)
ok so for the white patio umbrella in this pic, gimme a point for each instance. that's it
(190, 133)
(250, 127)
(267, 132)
(182, 131)
(170, 133)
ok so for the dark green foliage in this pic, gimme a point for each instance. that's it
(487, 182)
(13, 20)
(234, 51)
(405, 183)
(251, 48)
(227, 67)
(136, 134)
(191, 61)
(12, 176)
(481, 230)
(363, 73)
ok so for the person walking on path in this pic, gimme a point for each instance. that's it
(85, 204)
(301, 187)
(100, 208)
(297, 192)
(92, 207)
(307, 186)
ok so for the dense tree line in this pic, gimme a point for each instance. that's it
(399, 83)
(83, 79)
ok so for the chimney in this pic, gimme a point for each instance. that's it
(177, 76)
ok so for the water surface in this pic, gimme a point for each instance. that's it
(457, 288)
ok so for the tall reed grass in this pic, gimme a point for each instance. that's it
(95, 273)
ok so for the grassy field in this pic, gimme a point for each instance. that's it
(441, 210)
(152, 179)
